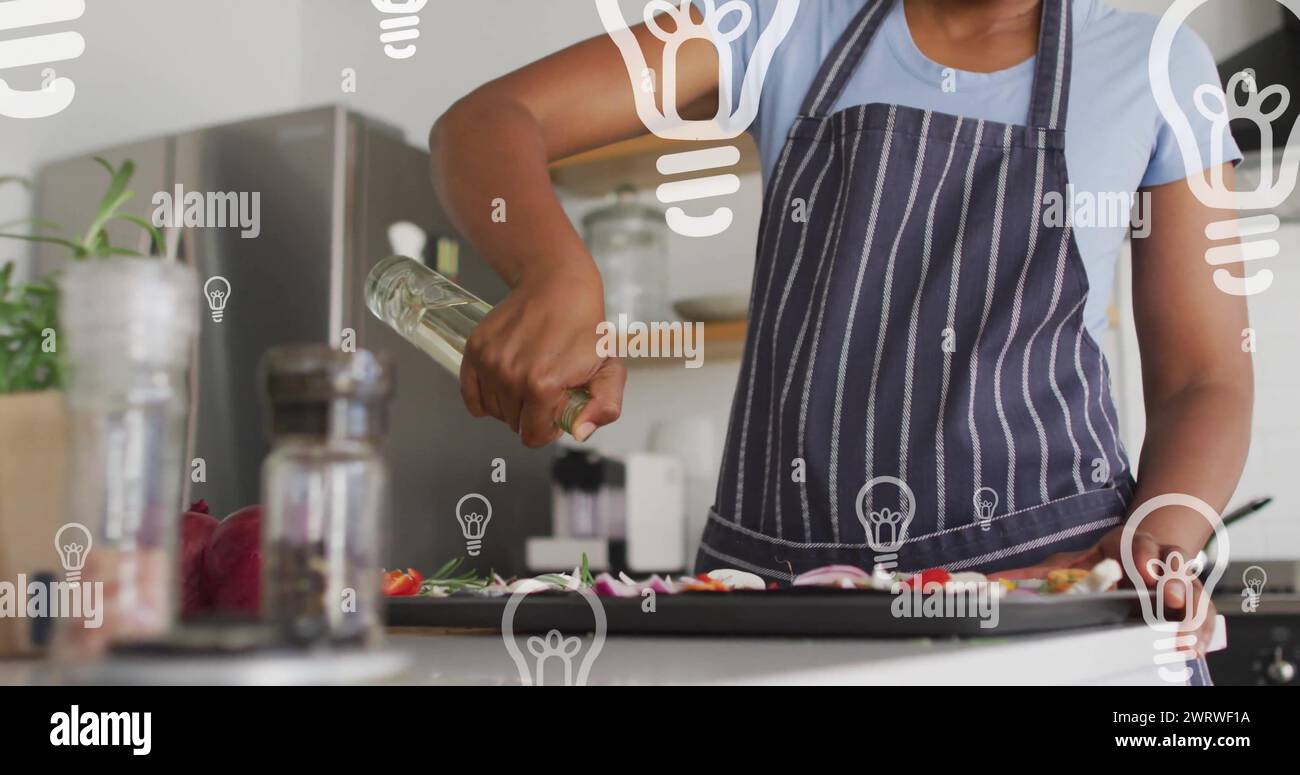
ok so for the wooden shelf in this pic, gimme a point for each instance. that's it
(632, 162)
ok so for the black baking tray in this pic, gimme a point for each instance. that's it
(775, 613)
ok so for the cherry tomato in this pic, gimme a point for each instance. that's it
(402, 583)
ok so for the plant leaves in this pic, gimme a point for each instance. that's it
(107, 209)
(155, 235)
(118, 179)
(42, 238)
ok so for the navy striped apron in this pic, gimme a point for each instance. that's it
(918, 386)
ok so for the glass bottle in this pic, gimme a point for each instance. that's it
(127, 326)
(437, 315)
(325, 490)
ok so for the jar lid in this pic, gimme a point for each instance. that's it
(316, 389)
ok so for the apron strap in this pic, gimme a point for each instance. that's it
(1051, 99)
(843, 60)
(1051, 95)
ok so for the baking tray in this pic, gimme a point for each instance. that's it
(776, 613)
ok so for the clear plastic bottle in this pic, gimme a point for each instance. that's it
(437, 315)
(127, 326)
(325, 490)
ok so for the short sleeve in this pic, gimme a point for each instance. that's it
(1190, 66)
(742, 48)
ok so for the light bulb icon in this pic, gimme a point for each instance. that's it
(721, 25)
(57, 94)
(73, 542)
(986, 503)
(1252, 582)
(473, 522)
(886, 528)
(1244, 97)
(399, 28)
(216, 291)
(554, 647)
(1178, 570)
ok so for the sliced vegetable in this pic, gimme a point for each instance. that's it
(834, 576)
(737, 579)
(925, 578)
(402, 583)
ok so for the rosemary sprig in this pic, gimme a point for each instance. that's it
(450, 578)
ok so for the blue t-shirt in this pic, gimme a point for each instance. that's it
(1116, 139)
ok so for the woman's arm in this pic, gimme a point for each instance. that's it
(1197, 379)
(496, 145)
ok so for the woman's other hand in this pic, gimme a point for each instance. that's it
(1145, 549)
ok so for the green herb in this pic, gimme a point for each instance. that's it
(450, 578)
(587, 580)
(95, 243)
(29, 312)
(28, 321)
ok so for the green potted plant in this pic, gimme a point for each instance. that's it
(32, 422)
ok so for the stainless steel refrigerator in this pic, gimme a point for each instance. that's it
(331, 182)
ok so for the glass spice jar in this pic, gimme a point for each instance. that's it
(325, 490)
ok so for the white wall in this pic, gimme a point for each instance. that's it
(153, 67)
(1226, 25)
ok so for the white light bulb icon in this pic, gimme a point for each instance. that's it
(473, 522)
(399, 28)
(1252, 581)
(986, 503)
(886, 528)
(1217, 105)
(217, 292)
(58, 94)
(1174, 569)
(669, 125)
(553, 646)
(73, 542)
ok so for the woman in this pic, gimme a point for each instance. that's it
(922, 342)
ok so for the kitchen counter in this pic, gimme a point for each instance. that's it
(1110, 655)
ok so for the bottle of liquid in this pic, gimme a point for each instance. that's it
(325, 489)
(438, 316)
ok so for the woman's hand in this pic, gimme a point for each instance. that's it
(490, 156)
(534, 346)
(1145, 548)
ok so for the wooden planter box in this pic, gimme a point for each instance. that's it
(32, 441)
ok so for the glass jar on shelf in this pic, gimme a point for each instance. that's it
(629, 242)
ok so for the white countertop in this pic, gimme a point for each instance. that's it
(1102, 656)
(1110, 655)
